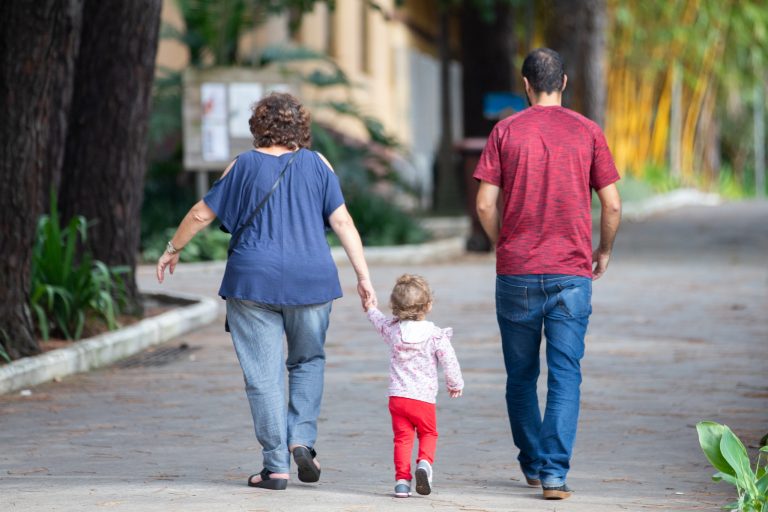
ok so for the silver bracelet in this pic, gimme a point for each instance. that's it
(170, 249)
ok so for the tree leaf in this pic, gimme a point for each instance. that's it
(735, 454)
(717, 477)
(321, 78)
(288, 54)
(762, 486)
(710, 434)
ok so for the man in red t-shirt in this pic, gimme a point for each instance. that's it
(544, 162)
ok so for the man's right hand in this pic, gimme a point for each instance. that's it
(610, 218)
(600, 261)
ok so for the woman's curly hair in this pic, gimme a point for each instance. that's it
(411, 297)
(279, 119)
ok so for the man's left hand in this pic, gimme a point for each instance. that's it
(600, 260)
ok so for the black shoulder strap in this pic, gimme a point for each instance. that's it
(236, 235)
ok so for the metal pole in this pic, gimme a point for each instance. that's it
(676, 125)
(201, 183)
(759, 141)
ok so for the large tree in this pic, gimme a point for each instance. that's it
(578, 32)
(488, 45)
(75, 83)
(106, 147)
(38, 47)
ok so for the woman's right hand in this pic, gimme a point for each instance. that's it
(166, 260)
(367, 294)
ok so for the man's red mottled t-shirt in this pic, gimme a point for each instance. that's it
(546, 160)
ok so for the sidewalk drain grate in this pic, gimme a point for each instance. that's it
(157, 356)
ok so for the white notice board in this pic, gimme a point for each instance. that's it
(216, 109)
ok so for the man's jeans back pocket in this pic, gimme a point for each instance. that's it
(574, 297)
(511, 300)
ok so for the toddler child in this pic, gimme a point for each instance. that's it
(415, 346)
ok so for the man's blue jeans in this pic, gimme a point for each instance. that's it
(257, 333)
(561, 304)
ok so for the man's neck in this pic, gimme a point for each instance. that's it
(549, 100)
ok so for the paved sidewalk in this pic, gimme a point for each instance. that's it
(679, 334)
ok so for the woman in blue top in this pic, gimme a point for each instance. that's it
(280, 277)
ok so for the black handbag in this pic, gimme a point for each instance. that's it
(236, 235)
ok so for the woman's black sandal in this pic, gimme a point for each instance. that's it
(275, 484)
(305, 462)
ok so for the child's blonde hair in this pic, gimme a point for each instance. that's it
(410, 298)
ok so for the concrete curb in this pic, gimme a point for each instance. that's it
(109, 347)
(640, 210)
(448, 248)
(440, 250)
(429, 252)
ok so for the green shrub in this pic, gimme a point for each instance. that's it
(68, 290)
(3, 354)
(362, 168)
(729, 456)
(168, 191)
(634, 189)
(381, 223)
(731, 186)
(365, 168)
(208, 245)
(660, 178)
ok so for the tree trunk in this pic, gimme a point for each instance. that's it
(594, 64)
(447, 189)
(488, 65)
(37, 57)
(488, 62)
(578, 33)
(105, 162)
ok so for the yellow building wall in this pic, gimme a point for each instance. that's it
(390, 57)
(171, 54)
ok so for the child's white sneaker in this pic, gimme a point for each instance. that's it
(402, 488)
(424, 477)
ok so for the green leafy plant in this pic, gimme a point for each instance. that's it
(728, 455)
(212, 30)
(660, 178)
(731, 186)
(364, 168)
(3, 354)
(208, 245)
(70, 288)
(363, 172)
(373, 189)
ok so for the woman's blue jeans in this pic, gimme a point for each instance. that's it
(257, 333)
(561, 304)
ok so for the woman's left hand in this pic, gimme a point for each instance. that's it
(367, 294)
(166, 260)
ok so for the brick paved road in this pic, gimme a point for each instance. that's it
(679, 334)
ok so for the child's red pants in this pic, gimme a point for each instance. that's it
(409, 415)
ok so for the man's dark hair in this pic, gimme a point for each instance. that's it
(544, 70)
